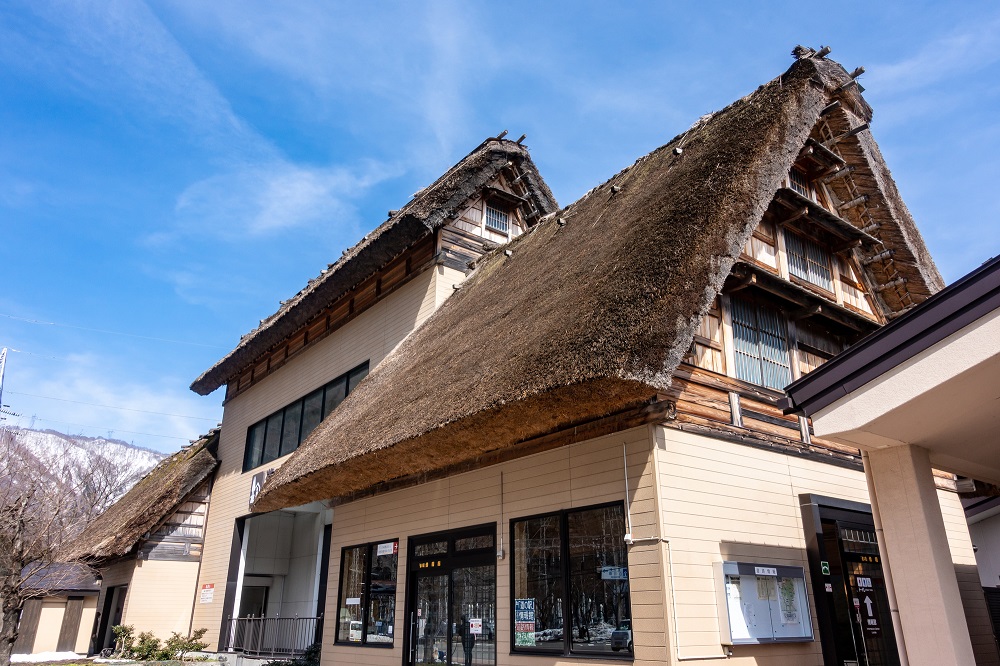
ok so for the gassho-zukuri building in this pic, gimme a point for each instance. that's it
(497, 431)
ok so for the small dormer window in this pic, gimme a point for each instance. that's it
(797, 181)
(497, 220)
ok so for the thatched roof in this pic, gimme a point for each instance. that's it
(120, 529)
(431, 208)
(587, 315)
(59, 577)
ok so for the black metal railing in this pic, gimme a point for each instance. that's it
(271, 636)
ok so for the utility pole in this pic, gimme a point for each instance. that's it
(3, 364)
(4, 409)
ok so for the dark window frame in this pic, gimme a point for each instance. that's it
(369, 550)
(566, 575)
(252, 461)
(759, 327)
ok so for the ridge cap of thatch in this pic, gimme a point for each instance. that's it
(587, 315)
(428, 209)
(585, 318)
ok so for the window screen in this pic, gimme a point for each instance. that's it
(760, 341)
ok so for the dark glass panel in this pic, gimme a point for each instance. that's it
(598, 574)
(336, 391)
(272, 441)
(312, 412)
(350, 628)
(538, 584)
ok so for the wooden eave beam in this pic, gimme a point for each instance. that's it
(736, 282)
(802, 301)
(506, 197)
(835, 225)
(823, 155)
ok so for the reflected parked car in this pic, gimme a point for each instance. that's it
(621, 638)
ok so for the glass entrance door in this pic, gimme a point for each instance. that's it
(429, 621)
(864, 626)
(451, 604)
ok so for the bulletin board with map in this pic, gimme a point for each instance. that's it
(762, 603)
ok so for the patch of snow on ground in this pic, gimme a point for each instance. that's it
(44, 656)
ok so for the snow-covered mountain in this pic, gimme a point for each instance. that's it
(51, 447)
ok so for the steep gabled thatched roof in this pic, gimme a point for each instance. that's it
(587, 315)
(429, 209)
(117, 531)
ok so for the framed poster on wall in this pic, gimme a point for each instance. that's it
(762, 603)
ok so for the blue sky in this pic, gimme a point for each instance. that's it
(170, 171)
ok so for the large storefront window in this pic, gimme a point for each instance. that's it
(570, 582)
(367, 606)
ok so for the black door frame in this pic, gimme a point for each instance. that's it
(450, 561)
(816, 509)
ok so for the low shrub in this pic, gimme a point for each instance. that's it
(147, 647)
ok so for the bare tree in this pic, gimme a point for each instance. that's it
(44, 502)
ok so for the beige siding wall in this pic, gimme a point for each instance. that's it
(445, 283)
(49, 624)
(370, 337)
(986, 536)
(86, 625)
(573, 476)
(976, 613)
(724, 501)
(113, 576)
(160, 597)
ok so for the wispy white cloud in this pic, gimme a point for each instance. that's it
(123, 56)
(266, 198)
(965, 50)
(84, 393)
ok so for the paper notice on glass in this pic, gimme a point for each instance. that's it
(765, 587)
(788, 601)
(386, 548)
(353, 601)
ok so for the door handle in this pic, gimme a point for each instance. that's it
(413, 646)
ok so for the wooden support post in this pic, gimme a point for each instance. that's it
(874, 226)
(807, 311)
(839, 173)
(798, 215)
(857, 201)
(857, 72)
(847, 246)
(830, 108)
(849, 133)
(898, 282)
(881, 256)
(744, 281)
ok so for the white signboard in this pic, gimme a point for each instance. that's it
(353, 601)
(386, 548)
(207, 593)
(614, 573)
(476, 625)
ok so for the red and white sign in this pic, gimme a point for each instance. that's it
(207, 593)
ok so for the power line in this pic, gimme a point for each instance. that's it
(54, 358)
(100, 330)
(126, 409)
(131, 432)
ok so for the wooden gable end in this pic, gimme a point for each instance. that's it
(181, 535)
(818, 259)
